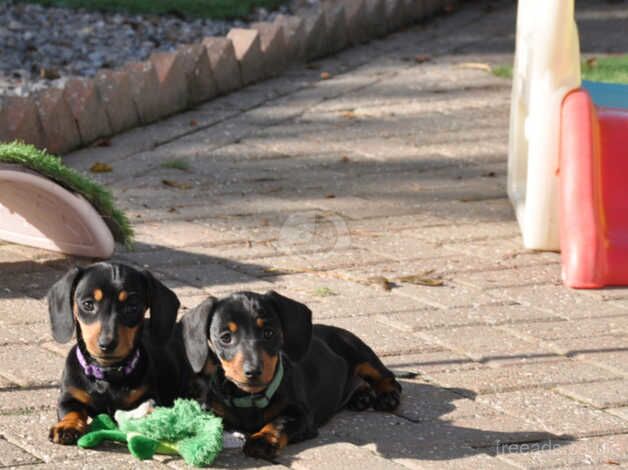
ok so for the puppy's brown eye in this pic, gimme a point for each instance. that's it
(225, 338)
(268, 333)
(88, 305)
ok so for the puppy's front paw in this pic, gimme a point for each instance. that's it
(69, 429)
(361, 399)
(388, 395)
(65, 433)
(261, 446)
(388, 401)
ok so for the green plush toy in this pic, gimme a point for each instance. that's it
(184, 429)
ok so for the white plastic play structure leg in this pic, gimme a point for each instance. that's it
(547, 66)
(37, 212)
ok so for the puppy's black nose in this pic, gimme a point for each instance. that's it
(107, 345)
(252, 372)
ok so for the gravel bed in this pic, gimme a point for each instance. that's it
(40, 46)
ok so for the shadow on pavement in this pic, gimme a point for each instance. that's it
(429, 426)
(24, 278)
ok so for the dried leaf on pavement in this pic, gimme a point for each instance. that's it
(423, 279)
(476, 66)
(176, 184)
(102, 142)
(100, 167)
(381, 281)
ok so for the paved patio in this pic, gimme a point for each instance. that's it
(348, 193)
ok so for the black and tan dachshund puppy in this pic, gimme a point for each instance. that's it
(271, 373)
(120, 358)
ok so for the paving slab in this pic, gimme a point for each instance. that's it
(615, 359)
(273, 46)
(223, 63)
(383, 341)
(433, 359)
(510, 314)
(144, 87)
(437, 459)
(622, 412)
(18, 401)
(523, 376)
(20, 120)
(376, 17)
(577, 328)
(330, 304)
(294, 35)
(29, 365)
(607, 450)
(11, 455)
(489, 345)
(556, 300)
(337, 31)
(171, 69)
(425, 402)
(315, 31)
(555, 413)
(30, 432)
(115, 91)
(328, 456)
(589, 347)
(199, 75)
(601, 395)
(30, 283)
(20, 310)
(229, 458)
(247, 46)
(24, 333)
(88, 109)
(61, 132)
(450, 295)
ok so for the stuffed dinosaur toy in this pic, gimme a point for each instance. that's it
(184, 429)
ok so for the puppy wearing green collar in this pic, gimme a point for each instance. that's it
(269, 372)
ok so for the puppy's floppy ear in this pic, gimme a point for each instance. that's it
(60, 304)
(195, 331)
(296, 322)
(163, 304)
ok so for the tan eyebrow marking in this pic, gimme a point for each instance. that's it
(123, 295)
(260, 322)
(232, 327)
(98, 295)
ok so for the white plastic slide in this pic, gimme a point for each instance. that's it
(37, 212)
(547, 67)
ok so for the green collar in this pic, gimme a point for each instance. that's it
(262, 399)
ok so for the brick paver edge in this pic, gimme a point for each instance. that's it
(170, 82)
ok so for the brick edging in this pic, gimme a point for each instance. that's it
(138, 93)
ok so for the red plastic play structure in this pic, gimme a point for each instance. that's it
(594, 187)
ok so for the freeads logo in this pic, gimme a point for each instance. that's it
(313, 231)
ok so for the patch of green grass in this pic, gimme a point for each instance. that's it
(611, 69)
(52, 167)
(176, 165)
(324, 292)
(502, 71)
(215, 9)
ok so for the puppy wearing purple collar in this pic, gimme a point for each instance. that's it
(120, 359)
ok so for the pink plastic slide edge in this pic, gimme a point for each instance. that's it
(37, 212)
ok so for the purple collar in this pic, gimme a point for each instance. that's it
(100, 373)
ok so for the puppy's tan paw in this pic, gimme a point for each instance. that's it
(69, 429)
